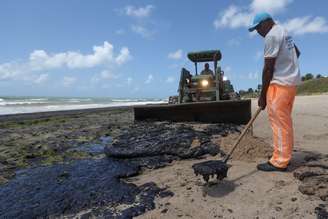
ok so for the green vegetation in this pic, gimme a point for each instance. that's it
(307, 77)
(250, 93)
(310, 85)
(313, 86)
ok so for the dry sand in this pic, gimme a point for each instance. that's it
(310, 115)
(247, 193)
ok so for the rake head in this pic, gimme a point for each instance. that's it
(211, 168)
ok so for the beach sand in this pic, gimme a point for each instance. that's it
(46, 138)
(248, 193)
(310, 116)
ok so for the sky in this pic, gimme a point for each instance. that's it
(136, 49)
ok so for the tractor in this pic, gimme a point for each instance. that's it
(204, 87)
(207, 97)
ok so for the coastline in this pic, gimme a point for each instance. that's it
(41, 115)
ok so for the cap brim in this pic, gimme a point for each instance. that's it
(252, 28)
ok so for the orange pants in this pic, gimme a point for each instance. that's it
(280, 101)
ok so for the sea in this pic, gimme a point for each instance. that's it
(15, 105)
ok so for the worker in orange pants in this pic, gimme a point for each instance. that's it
(280, 101)
(280, 76)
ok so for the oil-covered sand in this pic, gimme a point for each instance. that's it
(56, 165)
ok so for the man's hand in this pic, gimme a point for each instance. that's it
(266, 79)
(262, 102)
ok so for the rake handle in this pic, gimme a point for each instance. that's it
(242, 134)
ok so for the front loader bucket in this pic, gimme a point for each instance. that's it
(229, 111)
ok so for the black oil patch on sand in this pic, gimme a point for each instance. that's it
(85, 188)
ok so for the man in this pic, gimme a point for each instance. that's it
(207, 70)
(280, 76)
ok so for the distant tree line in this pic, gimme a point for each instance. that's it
(310, 76)
(255, 92)
(251, 92)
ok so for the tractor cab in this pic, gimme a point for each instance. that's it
(206, 86)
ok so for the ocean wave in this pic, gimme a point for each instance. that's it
(137, 100)
(38, 99)
(15, 109)
(124, 100)
(77, 100)
(15, 103)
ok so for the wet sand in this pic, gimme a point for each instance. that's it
(47, 138)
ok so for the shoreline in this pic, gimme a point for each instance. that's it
(46, 114)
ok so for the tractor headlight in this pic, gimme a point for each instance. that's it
(204, 83)
(187, 80)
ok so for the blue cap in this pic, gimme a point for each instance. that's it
(259, 17)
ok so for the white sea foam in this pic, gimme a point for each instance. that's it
(28, 106)
(8, 103)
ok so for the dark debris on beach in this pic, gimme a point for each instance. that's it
(314, 181)
(61, 168)
(181, 140)
(88, 188)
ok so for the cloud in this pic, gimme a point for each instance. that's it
(40, 60)
(175, 55)
(170, 79)
(149, 79)
(9, 71)
(270, 6)
(141, 25)
(303, 25)
(41, 78)
(142, 30)
(140, 12)
(68, 81)
(235, 17)
(124, 56)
